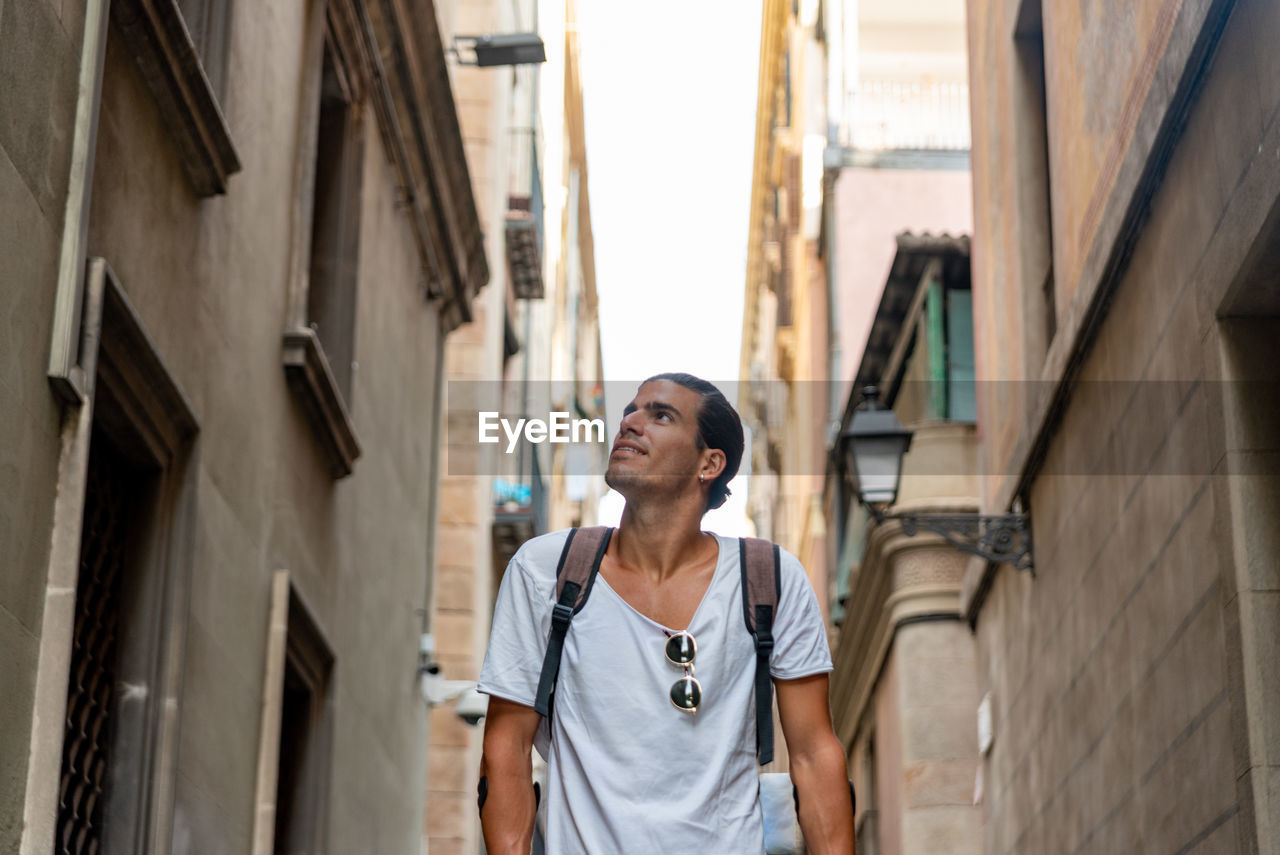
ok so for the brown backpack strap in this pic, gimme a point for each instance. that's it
(579, 561)
(761, 562)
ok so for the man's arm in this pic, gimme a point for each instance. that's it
(817, 765)
(508, 813)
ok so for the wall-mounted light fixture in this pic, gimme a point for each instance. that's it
(873, 446)
(436, 690)
(494, 50)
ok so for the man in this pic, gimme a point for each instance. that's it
(628, 771)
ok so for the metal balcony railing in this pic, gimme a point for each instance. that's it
(524, 216)
(889, 115)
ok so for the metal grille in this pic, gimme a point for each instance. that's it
(108, 506)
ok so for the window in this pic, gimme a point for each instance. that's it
(295, 733)
(302, 775)
(1035, 210)
(335, 223)
(181, 48)
(209, 23)
(319, 344)
(961, 401)
(117, 777)
(937, 379)
(111, 517)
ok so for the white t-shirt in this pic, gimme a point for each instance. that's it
(627, 772)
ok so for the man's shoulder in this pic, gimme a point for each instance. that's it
(789, 564)
(793, 580)
(540, 555)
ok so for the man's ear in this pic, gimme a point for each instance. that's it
(713, 463)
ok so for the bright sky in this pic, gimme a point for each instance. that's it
(670, 92)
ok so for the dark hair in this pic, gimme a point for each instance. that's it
(719, 427)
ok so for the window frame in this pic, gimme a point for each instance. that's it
(309, 370)
(158, 37)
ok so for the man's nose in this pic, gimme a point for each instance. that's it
(632, 423)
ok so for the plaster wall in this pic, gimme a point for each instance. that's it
(209, 281)
(936, 699)
(872, 207)
(1131, 694)
(36, 117)
(888, 795)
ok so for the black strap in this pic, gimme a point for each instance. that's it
(761, 589)
(764, 683)
(561, 615)
(575, 574)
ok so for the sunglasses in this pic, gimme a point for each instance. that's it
(686, 693)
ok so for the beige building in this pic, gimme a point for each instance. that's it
(533, 347)
(1127, 196)
(784, 326)
(893, 251)
(862, 135)
(233, 247)
(896, 149)
(904, 691)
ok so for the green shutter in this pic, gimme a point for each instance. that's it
(935, 319)
(962, 404)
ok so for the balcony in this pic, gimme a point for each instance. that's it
(890, 115)
(524, 217)
(520, 506)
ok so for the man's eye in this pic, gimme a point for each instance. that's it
(664, 416)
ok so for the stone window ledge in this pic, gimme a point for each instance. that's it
(312, 382)
(156, 35)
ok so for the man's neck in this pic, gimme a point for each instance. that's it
(659, 542)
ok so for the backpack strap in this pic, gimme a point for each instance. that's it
(579, 561)
(760, 561)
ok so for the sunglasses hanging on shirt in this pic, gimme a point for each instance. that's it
(686, 693)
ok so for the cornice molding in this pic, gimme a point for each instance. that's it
(317, 391)
(417, 117)
(156, 35)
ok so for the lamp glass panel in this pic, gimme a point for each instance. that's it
(879, 462)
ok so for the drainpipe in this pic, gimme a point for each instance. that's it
(71, 374)
(835, 355)
(433, 483)
(67, 378)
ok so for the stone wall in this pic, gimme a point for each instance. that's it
(209, 279)
(36, 117)
(1128, 681)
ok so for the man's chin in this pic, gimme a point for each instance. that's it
(617, 478)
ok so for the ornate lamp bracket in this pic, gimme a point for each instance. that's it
(1001, 538)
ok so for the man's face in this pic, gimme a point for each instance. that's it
(656, 447)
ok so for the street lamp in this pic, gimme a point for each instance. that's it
(503, 49)
(873, 446)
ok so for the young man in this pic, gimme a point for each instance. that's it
(628, 771)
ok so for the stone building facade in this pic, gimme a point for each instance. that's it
(1126, 164)
(904, 688)
(861, 200)
(784, 325)
(235, 238)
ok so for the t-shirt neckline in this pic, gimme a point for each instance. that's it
(706, 595)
